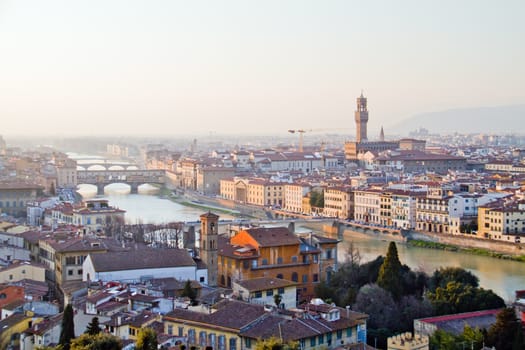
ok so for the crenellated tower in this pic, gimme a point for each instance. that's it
(361, 119)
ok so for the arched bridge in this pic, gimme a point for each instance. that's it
(107, 165)
(134, 178)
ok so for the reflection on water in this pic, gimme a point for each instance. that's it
(504, 277)
(145, 207)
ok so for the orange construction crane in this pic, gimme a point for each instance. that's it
(301, 132)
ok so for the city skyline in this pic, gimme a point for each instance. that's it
(141, 68)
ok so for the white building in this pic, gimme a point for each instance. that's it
(263, 290)
(367, 205)
(138, 265)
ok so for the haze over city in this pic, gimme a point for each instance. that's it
(174, 67)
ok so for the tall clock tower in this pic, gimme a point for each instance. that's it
(361, 119)
(209, 236)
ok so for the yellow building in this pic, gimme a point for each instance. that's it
(338, 202)
(407, 341)
(293, 197)
(64, 258)
(11, 327)
(502, 221)
(218, 327)
(224, 327)
(269, 252)
(253, 191)
(21, 270)
(126, 325)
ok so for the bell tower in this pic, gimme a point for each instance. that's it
(208, 253)
(361, 119)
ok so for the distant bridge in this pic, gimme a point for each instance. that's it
(133, 178)
(107, 165)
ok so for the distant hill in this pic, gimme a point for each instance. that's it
(501, 119)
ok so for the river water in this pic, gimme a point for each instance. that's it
(504, 277)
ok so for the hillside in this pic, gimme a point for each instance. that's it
(501, 119)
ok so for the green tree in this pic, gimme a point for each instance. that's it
(67, 332)
(502, 334)
(189, 292)
(458, 297)
(93, 327)
(317, 199)
(378, 304)
(470, 338)
(277, 298)
(146, 339)
(100, 341)
(390, 277)
(274, 343)
(441, 277)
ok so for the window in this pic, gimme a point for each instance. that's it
(222, 342)
(254, 264)
(264, 262)
(279, 260)
(233, 344)
(70, 272)
(348, 332)
(294, 259)
(312, 342)
(295, 277)
(170, 329)
(181, 331)
(305, 278)
(10, 277)
(280, 290)
(79, 272)
(258, 294)
(339, 333)
(315, 277)
(320, 339)
(71, 260)
(202, 338)
(280, 276)
(201, 279)
(269, 292)
(191, 336)
(247, 342)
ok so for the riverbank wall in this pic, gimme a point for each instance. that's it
(469, 242)
(405, 236)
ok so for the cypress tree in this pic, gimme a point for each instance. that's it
(189, 292)
(389, 277)
(93, 327)
(67, 332)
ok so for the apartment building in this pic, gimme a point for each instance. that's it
(432, 211)
(339, 202)
(269, 252)
(504, 221)
(367, 206)
(293, 196)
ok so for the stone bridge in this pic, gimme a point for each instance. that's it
(107, 165)
(133, 178)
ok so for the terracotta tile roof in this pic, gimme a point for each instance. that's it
(264, 283)
(228, 315)
(141, 259)
(273, 236)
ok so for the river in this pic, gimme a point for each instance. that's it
(146, 207)
(504, 277)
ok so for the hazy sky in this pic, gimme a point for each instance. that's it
(171, 67)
